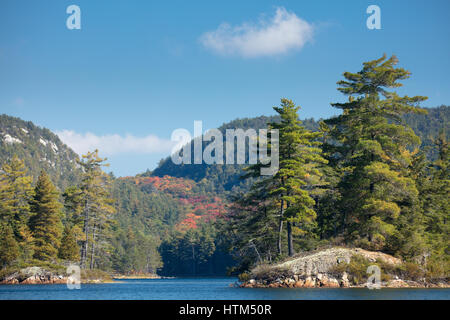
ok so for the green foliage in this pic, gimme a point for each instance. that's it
(270, 273)
(135, 253)
(45, 223)
(373, 154)
(15, 194)
(94, 275)
(68, 249)
(9, 249)
(286, 195)
(91, 205)
(244, 276)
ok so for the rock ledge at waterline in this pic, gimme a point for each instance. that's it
(40, 275)
(320, 270)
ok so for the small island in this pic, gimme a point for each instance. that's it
(339, 267)
(52, 275)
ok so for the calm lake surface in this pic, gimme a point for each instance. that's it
(205, 289)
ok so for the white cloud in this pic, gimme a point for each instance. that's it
(284, 32)
(113, 144)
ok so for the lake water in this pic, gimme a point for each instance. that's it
(203, 289)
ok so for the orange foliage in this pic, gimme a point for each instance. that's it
(200, 208)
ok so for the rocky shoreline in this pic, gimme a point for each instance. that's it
(38, 275)
(324, 281)
(321, 270)
(34, 275)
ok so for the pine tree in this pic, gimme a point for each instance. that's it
(15, 194)
(96, 205)
(290, 187)
(27, 244)
(46, 220)
(251, 224)
(373, 148)
(68, 249)
(433, 182)
(9, 249)
(6, 201)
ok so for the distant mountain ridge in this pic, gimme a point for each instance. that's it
(223, 178)
(40, 149)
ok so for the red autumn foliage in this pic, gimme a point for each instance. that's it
(200, 208)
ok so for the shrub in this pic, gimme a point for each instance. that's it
(268, 272)
(94, 275)
(438, 269)
(244, 276)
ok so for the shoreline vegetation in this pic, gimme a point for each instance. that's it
(56, 274)
(50, 275)
(339, 267)
(335, 267)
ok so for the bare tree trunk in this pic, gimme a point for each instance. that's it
(193, 259)
(256, 249)
(84, 245)
(92, 249)
(290, 239)
(280, 227)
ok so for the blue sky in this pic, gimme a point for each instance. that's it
(137, 70)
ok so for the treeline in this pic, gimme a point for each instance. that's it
(361, 180)
(180, 214)
(195, 252)
(39, 224)
(31, 225)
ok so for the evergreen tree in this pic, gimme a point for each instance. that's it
(15, 194)
(6, 201)
(27, 243)
(46, 220)
(372, 148)
(290, 187)
(9, 249)
(433, 182)
(251, 225)
(96, 205)
(69, 249)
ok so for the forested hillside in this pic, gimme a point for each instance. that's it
(222, 178)
(40, 149)
(181, 215)
(136, 225)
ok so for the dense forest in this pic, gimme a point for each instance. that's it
(375, 177)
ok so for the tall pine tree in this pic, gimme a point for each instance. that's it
(96, 206)
(68, 249)
(372, 148)
(15, 194)
(46, 220)
(9, 249)
(290, 187)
